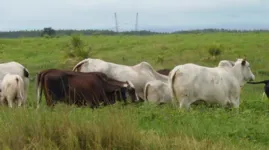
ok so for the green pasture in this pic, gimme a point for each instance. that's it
(141, 125)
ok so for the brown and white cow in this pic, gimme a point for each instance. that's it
(138, 74)
(79, 88)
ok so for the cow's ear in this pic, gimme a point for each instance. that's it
(243, 62)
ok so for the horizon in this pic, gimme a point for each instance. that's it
(163, 30)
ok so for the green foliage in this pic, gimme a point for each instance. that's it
(139, 126)
(76, 48)
(215, 50)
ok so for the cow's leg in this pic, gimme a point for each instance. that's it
(123, 92)
(118, 95)
(19, 102)
(140, 96)
(26, 88)
(185, 103)
(236, 103)
(233, 104)
(140, 99)
(10, 101)
(2, 100)
(48, 96)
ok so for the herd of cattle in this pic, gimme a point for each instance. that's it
(94, 81)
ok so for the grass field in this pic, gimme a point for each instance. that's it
(143, 125)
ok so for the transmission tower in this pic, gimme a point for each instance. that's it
(116, 22)
(136, 22)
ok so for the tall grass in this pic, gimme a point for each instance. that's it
(109, 128)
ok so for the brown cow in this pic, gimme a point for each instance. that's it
(79, 88)
(164, 71)
(120, 93)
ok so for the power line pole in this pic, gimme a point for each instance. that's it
(116, 22)
(136, 22)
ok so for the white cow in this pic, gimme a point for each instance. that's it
(12, 88)
(191, 82)
(138, 74)
(157, 92)
(15, 68)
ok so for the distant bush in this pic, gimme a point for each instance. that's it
(76, 48)
(215, 50)
(46, 36)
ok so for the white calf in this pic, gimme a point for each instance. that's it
(12, 88)
(157, 92)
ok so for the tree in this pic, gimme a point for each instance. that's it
(48, 32)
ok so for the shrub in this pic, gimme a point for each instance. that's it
(160, 59)
(76, 48)
(215, 50)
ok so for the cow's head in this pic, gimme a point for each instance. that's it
(131, 90)
(245, 70)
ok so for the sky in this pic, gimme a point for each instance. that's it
(155, 15)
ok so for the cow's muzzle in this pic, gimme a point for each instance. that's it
(252, 78)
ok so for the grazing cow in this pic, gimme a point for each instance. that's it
(12, 90)
(138, 74)
(191, 82)
(78, 88)
(164, 71)
(16, 68)
(120, 92)
(266, 87)
(157, 92)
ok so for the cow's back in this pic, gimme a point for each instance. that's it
(12, 68)
(112, 70)
(146, 69)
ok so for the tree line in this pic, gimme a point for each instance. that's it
(50, 32)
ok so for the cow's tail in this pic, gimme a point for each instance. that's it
(20, 88)
(171, 80)
(78, 65)
(146, 91)
(38, 88)
(25, 73)
(26, 81)
(265, 82)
